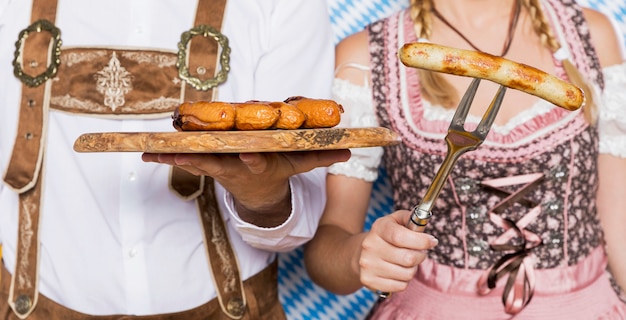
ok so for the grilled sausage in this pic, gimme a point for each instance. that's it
(293, 113)
(204, 116)
(319, 113)
(290, 116)
(255, 116)
(509, 73)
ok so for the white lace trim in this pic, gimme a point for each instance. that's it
(352, 168)
(612, 112)
(358, 112)
(439, 113)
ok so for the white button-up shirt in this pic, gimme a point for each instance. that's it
(114, 238)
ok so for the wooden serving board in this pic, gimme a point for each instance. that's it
(236, 141)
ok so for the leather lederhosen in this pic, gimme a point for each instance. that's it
(82, 85)
(257, 292)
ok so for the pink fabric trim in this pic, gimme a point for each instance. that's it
(568, 191)
(514, 180)
(549, 281)
(582, 291)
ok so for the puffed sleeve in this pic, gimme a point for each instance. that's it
(612, 112)
(358, 113)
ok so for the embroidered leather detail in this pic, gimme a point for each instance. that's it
(23, 279)
(222, 258)
(114, 82)
(219, 239)
(117, 83)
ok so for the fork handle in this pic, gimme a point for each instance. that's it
(419, 219)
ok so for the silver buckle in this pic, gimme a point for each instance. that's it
(55, 53)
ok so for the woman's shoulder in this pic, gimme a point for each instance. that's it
(354, 46)
(604, 37)
(352, 50)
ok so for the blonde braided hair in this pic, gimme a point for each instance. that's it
(438, 90)
(435, 87)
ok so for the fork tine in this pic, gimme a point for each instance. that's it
(458, 121)
(490, 115)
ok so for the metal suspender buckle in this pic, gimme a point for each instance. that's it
(55, 53)
(224, 58)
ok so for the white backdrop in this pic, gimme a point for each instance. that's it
(301, 298)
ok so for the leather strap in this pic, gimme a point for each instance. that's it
(24, 293)
(203, 56)
(27, 155)
(23, 173)
(228, 283)
(202, 59)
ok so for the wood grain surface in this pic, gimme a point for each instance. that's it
(236, 141)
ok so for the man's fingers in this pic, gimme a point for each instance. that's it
(195, 163)
(256, 162)
(307, 161)
(278, 165)
(298, 161)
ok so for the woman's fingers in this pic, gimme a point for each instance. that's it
(391, 253)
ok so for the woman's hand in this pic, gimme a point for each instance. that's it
(390, 253)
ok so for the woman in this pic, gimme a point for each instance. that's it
(567, 220)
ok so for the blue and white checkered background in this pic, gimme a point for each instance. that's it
(300, 297)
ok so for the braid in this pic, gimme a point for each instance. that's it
(422, 18)
(435, 88)
(540, 25)
(542, 28)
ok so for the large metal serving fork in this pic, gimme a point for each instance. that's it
(459, 141)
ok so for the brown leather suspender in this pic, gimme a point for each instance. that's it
(225, 270)
(226, 277)
(24, 169)
(201, 58)
(26, 158)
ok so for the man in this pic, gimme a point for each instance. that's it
(102, 234)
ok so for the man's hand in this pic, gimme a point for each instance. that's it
(259, 182)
